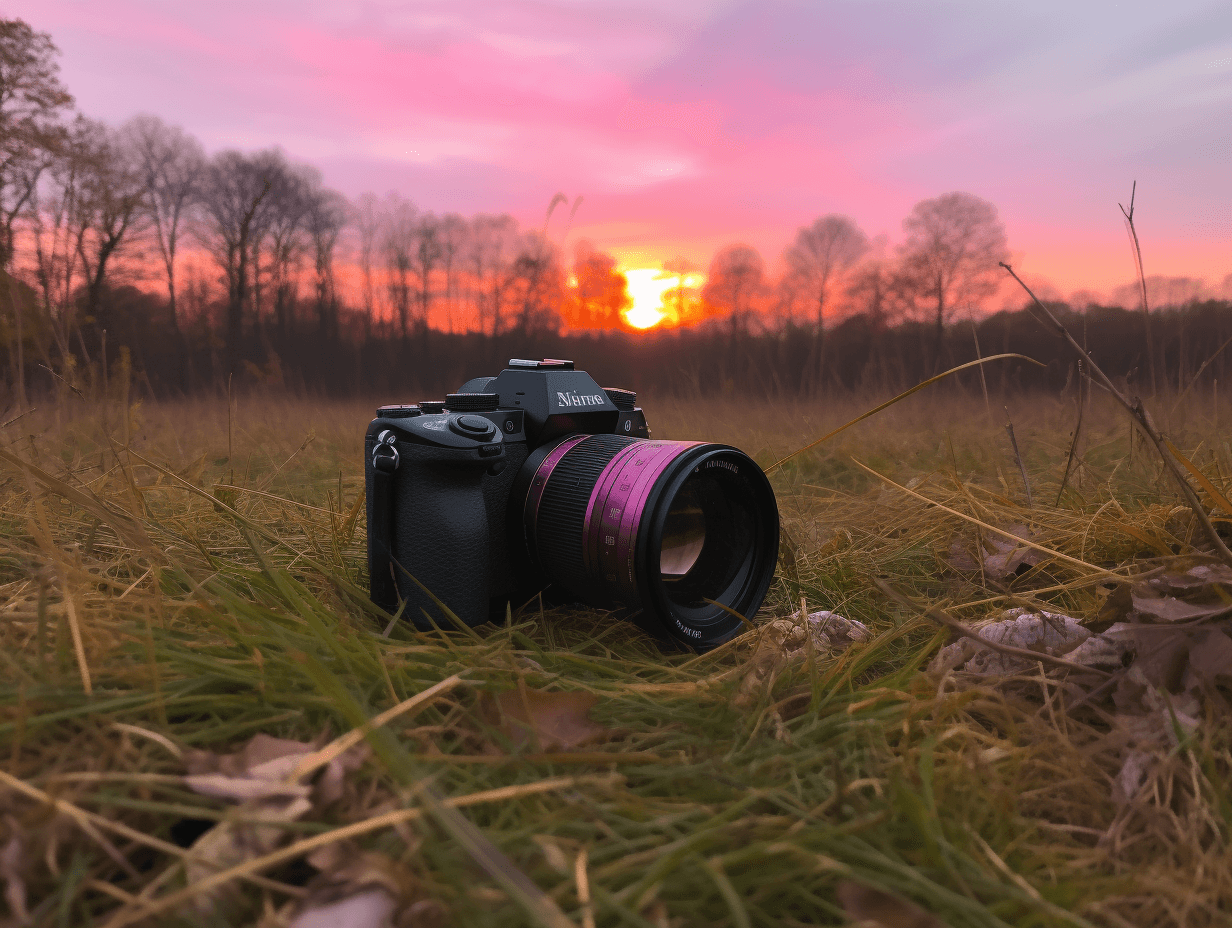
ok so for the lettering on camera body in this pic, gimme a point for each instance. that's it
(573, 398)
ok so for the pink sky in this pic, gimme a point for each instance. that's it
(693, 124)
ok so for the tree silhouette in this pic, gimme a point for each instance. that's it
(950, 257)
(602, 292)
(820, 255)
(32, 102)
(171, 163)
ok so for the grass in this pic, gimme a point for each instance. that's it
(205, 583)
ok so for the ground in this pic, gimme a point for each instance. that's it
(183, 584)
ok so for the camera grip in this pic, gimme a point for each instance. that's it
(440, 538)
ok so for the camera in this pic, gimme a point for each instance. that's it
(539, 481)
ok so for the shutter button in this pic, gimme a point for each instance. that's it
(472, 426)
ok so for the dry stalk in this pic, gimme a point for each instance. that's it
(1146, 309)
(943, 618)
(1022, 468)
(1141, 417)
(1073, 445)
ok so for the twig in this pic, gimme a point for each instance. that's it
(1146, 310)
(61, 379)
(943, 618)
(1073, 445)
(1022, 468)
(1143, 419)
(22, 415)
(983, 380)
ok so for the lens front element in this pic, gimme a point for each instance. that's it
(684, 535)
(672, 531)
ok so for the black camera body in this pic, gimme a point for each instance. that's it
(539, 478)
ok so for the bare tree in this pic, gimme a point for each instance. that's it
(735, 283)
(111, 202)
(399, 245)
(32, 104)
(285, 227)
(817, 260)
(366, 218)
(236, 190)
(489, 256)
(172, 164)
(537, 282)
(427, 256)
(451, 234)
(327, 215)
(602, 292)
(951, 254)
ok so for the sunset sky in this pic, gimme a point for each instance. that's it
(691, 124)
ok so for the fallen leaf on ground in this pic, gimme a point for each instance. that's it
(833, 632)
(1171, 609)
(1203, 580)
(10, 873)
(1132, 775)
(261, 768)
(874, 909)
(1210, 655)
(371, 908)
(545, 721)
(1047, 632)
(256, 830)
(1000, 556)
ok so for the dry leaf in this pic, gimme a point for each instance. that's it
(1047, 632)
(260, 771)
(10, 873)
(231, 842)
(1000, 556)
(369, 909)
(545, 721)
(1133, 774)
(1210, 655)
(1171, 609)
(874, 909)
(1161, 653)
(833, 632)
(1203, 580)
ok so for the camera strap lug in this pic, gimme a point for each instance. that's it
(385, 461)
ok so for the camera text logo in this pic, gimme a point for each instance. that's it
(580, 399)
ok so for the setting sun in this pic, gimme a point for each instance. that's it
(646, 287)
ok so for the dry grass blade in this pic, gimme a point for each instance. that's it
(992, 528)
(1211, 490)
(123, 524)
(344, 833)
(339, 745)
(902, 396)
(74, 627)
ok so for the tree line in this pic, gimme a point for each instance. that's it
(132, 245)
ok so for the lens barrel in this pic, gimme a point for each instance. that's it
(664, 529)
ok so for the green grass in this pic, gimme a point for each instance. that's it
(739, 789)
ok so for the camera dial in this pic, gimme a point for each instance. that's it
(472, 426)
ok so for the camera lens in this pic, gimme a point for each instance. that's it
(680, 534)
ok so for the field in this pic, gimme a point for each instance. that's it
(175, 580)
